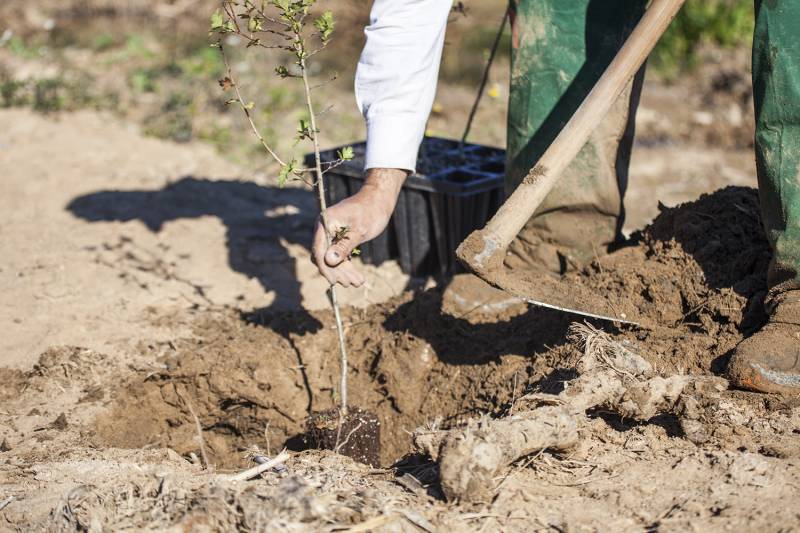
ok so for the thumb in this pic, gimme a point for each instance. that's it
(339, 251)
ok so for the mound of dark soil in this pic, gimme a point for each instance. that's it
(355, 433)
(699, 273)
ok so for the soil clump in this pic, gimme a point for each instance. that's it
(355, 434)
(699, 273)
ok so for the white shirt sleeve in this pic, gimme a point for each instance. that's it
(396, 77)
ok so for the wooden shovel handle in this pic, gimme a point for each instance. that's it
(485, 249)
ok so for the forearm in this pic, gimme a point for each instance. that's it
(385, 183)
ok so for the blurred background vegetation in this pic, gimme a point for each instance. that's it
(149, 61)
(701, 23)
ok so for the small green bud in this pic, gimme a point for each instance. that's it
(346, 153)
(254, 24)
(285, 172)
(303, 130)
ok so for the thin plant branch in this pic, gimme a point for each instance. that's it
(5, 503)
(245, 108)
(323, 207)
(199, 429)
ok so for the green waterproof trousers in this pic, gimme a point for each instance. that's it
(559, 50)
(776, 92)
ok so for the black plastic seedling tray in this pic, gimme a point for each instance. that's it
(454, 191)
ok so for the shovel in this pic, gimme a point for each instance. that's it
(484, 250)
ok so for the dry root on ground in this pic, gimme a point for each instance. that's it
(612, 378)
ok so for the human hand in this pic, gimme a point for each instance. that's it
(354, 221)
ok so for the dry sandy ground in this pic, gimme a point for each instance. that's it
(130, 271)
(101, 224)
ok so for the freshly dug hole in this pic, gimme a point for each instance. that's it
(254, 380)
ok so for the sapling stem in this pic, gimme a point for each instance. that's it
(323, 208)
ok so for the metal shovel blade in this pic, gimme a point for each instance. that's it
(562, 294)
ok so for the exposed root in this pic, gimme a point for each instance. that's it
(612, 378)
(471, 458)
(600, 349)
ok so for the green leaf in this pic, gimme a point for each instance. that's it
(324, 25)
(282, 71)
(286, 171)
(346, 153)
(216, 20)
(283, 5)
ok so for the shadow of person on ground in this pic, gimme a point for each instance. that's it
(256, 219)
(457, 341)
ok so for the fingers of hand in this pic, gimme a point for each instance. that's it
(348, 275)
(338, 252)
(345, 275)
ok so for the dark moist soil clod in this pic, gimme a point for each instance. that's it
(357, 434)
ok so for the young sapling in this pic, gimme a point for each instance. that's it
(287, 26)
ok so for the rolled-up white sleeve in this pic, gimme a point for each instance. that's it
(396, 77)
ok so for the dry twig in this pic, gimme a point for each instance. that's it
(5, 503)
(256, 471)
